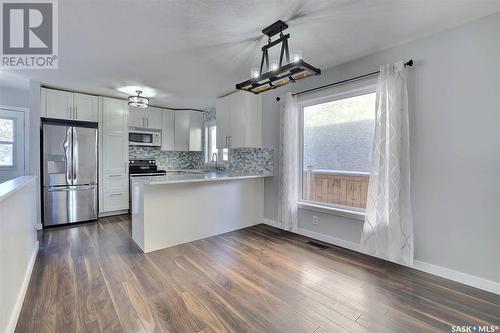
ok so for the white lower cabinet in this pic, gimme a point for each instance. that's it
(114, 202)
(113, 156)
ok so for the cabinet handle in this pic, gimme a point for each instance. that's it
(115, 194)
(115, 176)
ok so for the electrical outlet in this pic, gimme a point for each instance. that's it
(315, 220)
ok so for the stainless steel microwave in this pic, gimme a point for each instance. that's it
(144, 137)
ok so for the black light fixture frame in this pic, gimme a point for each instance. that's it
(290, 72)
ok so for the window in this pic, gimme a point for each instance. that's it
(210, 142)
(337, 138)
(7, 150)
(211, 145)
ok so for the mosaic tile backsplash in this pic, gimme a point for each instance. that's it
(250, 160)
(168, 159)
(245, 160)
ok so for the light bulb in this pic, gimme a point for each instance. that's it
(296, 56)
(274, 66)
(254, 73)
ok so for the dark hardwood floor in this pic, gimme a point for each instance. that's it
(93, 278)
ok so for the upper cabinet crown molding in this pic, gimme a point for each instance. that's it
(68, 105)
(239, 120)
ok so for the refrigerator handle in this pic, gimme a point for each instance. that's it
(67, 152)
(74, 160)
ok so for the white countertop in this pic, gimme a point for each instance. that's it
(203, 177)
(12, 186)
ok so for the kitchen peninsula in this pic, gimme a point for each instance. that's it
(176, 209)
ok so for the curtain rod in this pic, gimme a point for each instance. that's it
(409, 63)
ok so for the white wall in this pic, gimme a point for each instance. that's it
(18, 246)
(454, 104)
(14, 97)
(34, 142)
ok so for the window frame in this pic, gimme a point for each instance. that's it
(348, 90)
(14, 145)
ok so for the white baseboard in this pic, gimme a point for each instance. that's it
(470, 280)
(113, 213)
(11, 326)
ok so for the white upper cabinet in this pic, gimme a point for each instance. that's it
(222, 108)
(136, 117)
(239, 120)
(67, 105)
(145, 118)
(168, 130)
(195, 130)
(59, 104)
(85, 107)
(181, 130)
(153, 117)
(188, 130)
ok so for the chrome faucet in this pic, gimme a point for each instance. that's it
(215, 160)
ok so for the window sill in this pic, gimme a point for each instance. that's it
(332, 210)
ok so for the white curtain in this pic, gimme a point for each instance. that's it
(289, 162)
(388, 229)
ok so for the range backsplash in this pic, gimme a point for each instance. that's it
(168, 160)
(240, 159)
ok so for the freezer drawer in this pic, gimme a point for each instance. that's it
(69, 204)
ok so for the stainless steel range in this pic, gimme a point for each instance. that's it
(142, 168)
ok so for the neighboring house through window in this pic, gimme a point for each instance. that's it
(337, 128)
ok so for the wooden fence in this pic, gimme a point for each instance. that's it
(335, 187)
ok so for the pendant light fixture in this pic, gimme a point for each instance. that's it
(138, 101)
(275, 74)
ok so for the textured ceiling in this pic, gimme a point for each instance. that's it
(190, 51)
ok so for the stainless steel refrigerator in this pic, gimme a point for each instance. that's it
(69, 166)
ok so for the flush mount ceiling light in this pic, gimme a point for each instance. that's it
(138, 101)
(276, 74)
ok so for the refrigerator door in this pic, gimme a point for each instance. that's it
(70, 204)
(57, 155)
(84, 156)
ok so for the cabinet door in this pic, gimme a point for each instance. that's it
(114, 117)
(195, 130)
(181, 141)
(237, 119)
(59, 104)
(253, 121)
(167, 130)
(222, 121)
(136, 117)
(85, 107)
(153, 117)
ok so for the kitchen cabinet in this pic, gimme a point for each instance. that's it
(239, 120)
(195, 130)
(68, 105)
(181, 131)
(113, 154)
(150, 117)
(168, 130)
(85, 107)
(188, 130)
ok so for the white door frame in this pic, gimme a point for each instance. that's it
(27, 133)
